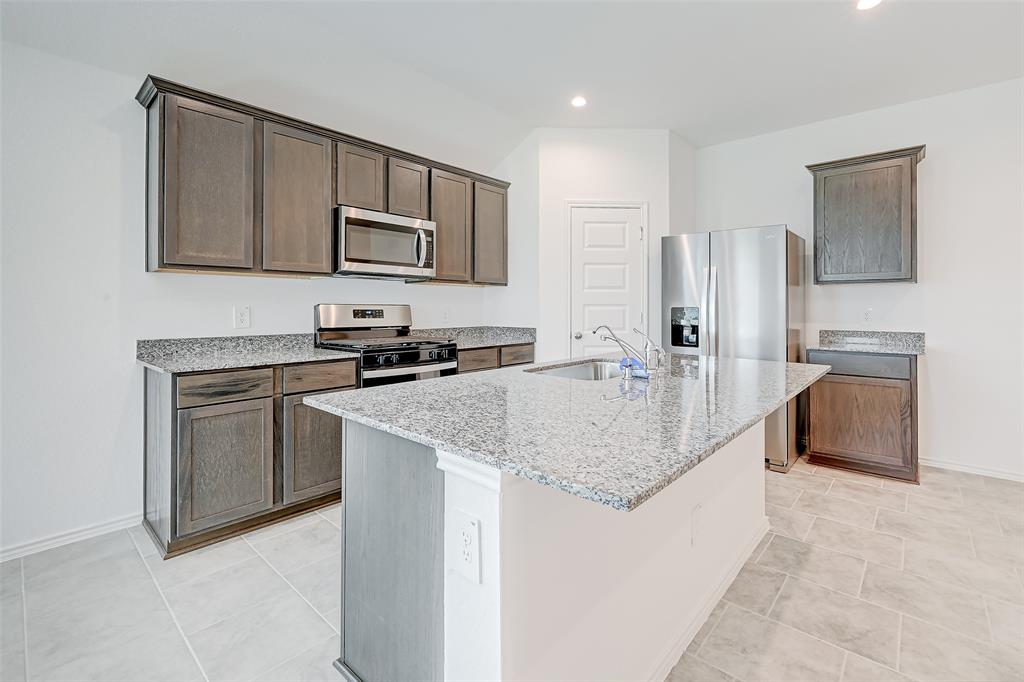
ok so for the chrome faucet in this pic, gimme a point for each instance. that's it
(627, 349)
(653, 353)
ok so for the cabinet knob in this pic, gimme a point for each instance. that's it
(578, 335)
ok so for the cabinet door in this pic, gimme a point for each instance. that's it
(863, 422)
(311, 451)
(296, 200)
(225, 463)
(490, 234)
(408, 188)
(451, 204)
(360, 177)
(208, 185)
(864, 222)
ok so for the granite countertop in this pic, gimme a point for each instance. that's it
(889, 343)
(583, 437)
(232, 352)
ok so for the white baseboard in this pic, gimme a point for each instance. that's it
(26, 548)
(679, 648)
(981, 471)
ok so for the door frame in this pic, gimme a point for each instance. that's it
(645, 256)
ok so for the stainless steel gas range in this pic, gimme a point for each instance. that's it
(389, 353)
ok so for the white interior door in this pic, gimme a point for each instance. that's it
(608, 276)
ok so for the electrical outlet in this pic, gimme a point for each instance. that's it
(466, 545)
(242, 316)
(868, 313)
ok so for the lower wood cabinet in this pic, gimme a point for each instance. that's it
(492, 357)
(863, 415)
(225, 463)
(228, 451)
(310, 450)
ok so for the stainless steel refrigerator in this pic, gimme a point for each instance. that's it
(739, 293)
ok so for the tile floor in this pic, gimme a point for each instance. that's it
(859, 580)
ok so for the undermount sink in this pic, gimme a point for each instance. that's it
(586, 371)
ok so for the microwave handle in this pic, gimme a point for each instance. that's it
(421, 248)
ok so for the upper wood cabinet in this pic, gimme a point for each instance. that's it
(865, 218)
(208, 185)
(296, 200)
(451, 201)
(408, 188)
(360, 177)
(490, 234)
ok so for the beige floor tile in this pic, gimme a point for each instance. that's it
(932, 475)
(928, 652)
(844, 475)
(202, 602)
(12, 635)
(707, 627)
(859, 669)
(10, 577)
(954, 515)
(873, 496)
(761, 546)
(927, 599)
(315, 664)
(334, 619)
(1006, 502)
(1007, 622)
(1004, 550)
(800, 480)
(803, 466)
(782, 521)
(143, 542)
(780, 494)
(1004, 485)
(963, 570)
(200, 562)
(332, 514)
(258, 639)
(839, 619)
(750, 647)
(832, 569)
(1011, 526)
(755, 588)
(284, 526)
(297, 548)
(866, 544)
(939, 494)
(143, 658)
(319, 583)
(836, 508)
(690, 669)
(96, 557)
(924, 530)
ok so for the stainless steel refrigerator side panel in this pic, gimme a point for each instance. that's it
(685, 260)
(750, 314)
(797, 408)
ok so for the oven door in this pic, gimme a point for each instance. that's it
(397, 375)
(371, 243)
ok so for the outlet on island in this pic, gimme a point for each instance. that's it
(242, 315)
(465, 545)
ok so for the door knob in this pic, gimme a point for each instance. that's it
(578, 335)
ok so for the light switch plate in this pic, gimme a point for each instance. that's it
(465, 545)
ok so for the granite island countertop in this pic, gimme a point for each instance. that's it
(887, 343)
(587, 438)
(206, 354)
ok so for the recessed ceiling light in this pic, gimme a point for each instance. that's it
(867, 4)
(580, 101)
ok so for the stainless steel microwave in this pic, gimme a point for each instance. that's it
(375, 244)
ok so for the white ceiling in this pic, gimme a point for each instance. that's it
(479, 75)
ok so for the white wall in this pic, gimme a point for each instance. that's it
(682, 172)
(76, 296)
(594, 165)
(968, 298)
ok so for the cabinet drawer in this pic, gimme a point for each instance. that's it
(863, 364)
(319, 376)
(516, 355)
(478, 358)
(225, 387)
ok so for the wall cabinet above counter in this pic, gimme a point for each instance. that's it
(233, 188)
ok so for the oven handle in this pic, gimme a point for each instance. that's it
(402, 371)
(421, 248)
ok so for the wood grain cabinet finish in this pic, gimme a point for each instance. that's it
(516, 355)
(866, 423)
(490, 234)
(408, 188)
(225, 463)
(208, 185)
(210, 388)
(451, 207)
(477, 359)
(311, 450)
(360, 177)
(319, 376)
(865, 218)
(297, 200)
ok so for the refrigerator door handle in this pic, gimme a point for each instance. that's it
(704, 335)
(713, 311)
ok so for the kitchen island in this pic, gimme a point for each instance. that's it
(519, 524)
